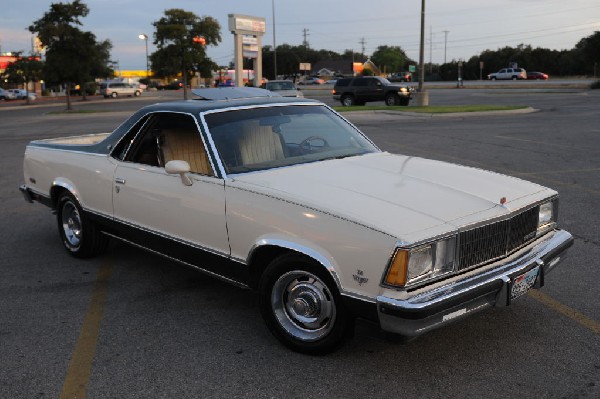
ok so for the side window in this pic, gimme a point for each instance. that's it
(361, 82)
(167, 137)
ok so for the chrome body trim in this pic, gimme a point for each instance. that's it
(207, 272)
(431, 309)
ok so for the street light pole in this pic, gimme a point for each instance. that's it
(144, 37)
(274, 44)
(423, 97)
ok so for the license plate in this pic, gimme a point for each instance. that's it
(523, 283)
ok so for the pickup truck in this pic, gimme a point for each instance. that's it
(360, 90)
(286, 197)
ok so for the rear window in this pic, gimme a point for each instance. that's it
(343, 82)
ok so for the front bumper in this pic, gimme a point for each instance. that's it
(432, 309)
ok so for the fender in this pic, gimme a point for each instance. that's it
(320, 255)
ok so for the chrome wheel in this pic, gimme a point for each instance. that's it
(303, 305)
(71, 224)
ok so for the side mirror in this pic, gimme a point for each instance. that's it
(181, 168)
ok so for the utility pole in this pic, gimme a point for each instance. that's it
(362, 42)
(430, 50)
(305, 34)
(445, 43)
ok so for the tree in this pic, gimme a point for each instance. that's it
(72, 55)
(24, 70)
(181, 38)
(588, 51)
(390, 58)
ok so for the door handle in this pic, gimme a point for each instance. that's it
(118, 180)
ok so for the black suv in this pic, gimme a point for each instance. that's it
(358, 91)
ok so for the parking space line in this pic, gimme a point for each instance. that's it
(571, 313)
(78, 373)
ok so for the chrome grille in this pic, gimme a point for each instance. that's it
(495, 240)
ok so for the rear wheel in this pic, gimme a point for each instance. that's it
(347, 100)
(114, 94)
(79, 235)
(302, 306)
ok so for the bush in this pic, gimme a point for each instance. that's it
(595, 85)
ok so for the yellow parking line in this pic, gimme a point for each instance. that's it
(572, 314)
(78, 374)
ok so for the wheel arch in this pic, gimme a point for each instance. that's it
(268, 249)
(60, 186)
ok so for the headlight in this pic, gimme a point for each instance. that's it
(403, 89)
(547, 214)
(410, 266)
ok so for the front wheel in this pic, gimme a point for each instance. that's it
(137, 93)
(114, 95)
(392, 99)
(302, 306)
(79, 235)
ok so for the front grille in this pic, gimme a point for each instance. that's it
(495, 240)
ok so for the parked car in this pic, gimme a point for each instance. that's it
(537, 76)
(403, 76)
(311, 81)
(285, 196)
(7, 95)
(285, 88)
(22, 94)
(359, 90)
(116, 89)
(508, 73)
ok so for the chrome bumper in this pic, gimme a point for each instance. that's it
(432, 309)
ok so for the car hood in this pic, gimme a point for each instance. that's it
(409, 198)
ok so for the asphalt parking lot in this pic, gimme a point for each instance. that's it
(133, 325)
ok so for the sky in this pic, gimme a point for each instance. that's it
(454, 30)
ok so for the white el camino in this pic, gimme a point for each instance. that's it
(286, 197)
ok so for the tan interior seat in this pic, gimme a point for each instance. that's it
(259, 144)
(186, 145)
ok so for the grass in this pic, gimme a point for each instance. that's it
(433, 109)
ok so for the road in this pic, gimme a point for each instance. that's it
(132, 325)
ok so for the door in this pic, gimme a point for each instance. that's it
(157, 208)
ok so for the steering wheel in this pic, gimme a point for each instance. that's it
(305, 145)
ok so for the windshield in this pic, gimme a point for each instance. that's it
(261, 138)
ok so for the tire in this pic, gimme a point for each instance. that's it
(515, 78)
(302, 307)
(392, 99)
(404, 101)
(80, 237)
(493, 78)
(114, 94)
(137, 93)
(347, 100)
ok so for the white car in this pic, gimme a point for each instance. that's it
(285, 88)
(22, 94)
(508, 74)
(286, 197)
(7, 95)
